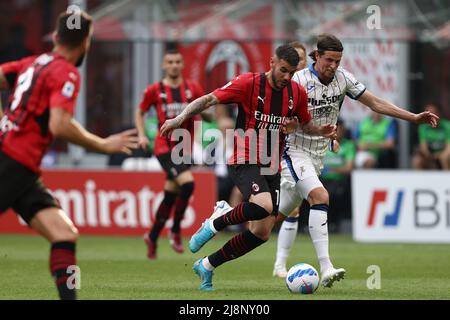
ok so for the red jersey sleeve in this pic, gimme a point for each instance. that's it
(11, 69)
(302, 106)
(234, 91)
(149, 98)
(64, 87)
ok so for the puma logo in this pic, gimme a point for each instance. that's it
(262, 99)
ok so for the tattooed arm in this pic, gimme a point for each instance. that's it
(195, 107)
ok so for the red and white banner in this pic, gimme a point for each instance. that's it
(118, 202)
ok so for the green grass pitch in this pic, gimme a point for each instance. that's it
(116, 268)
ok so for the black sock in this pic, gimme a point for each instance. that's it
(235, 248)
(243, 212)
(62, 255)
(162, 214)
(181, 204)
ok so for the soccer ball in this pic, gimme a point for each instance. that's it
(302, 278)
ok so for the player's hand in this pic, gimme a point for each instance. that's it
(169, 126)
(328, 130)
(143, 142)
(427, 117)
(290, 126)
(122, 142)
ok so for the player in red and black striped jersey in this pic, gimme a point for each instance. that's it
(169, 97)
(40, 108)
(270, 105)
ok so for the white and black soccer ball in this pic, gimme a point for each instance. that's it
(302, 278)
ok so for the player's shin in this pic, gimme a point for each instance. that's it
(235, 248)
(62, 259)
(181, 204)
(286, 238)
(162, 214)
(243, 212)
(318, 230)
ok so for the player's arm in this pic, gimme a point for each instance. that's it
(385, 107)
(64, 126)
(140, 127)
(195, 107)
(327, 130)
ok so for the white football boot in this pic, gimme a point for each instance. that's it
(332, 275)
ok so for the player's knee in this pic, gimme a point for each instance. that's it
(267, 206)
(70, 234)
(318, 196)
(186, 190)
(169, 198)
(261, 232)
(263, 202)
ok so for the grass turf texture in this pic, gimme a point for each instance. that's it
(116, 268)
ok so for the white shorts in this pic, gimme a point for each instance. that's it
(299, 176)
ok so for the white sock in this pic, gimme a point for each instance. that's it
(211, 225)
(208, 266)
(318, 230)
(286, 238)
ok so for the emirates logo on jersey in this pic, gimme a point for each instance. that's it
(269, 121)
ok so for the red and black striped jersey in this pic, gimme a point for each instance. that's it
(262, 112)
(39, 83)
(169, 103)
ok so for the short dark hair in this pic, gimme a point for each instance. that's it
(171, 48)
(288, 54)
(326, 42)
(73, 37)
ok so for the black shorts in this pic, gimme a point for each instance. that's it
(22, 190)
(248, 179)
(172, 170)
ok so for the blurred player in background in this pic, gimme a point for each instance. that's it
(268, 102)
(326, 84)
(433, 151)
(169, 96)
(40, 108)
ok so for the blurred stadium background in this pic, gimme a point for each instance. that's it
(406, 61)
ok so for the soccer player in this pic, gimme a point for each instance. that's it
(326, 84)
(169, 96)
(268, 103)
(41, 107)
(291, 222)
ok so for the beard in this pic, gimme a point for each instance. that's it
(274, 81)
(80, 60)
